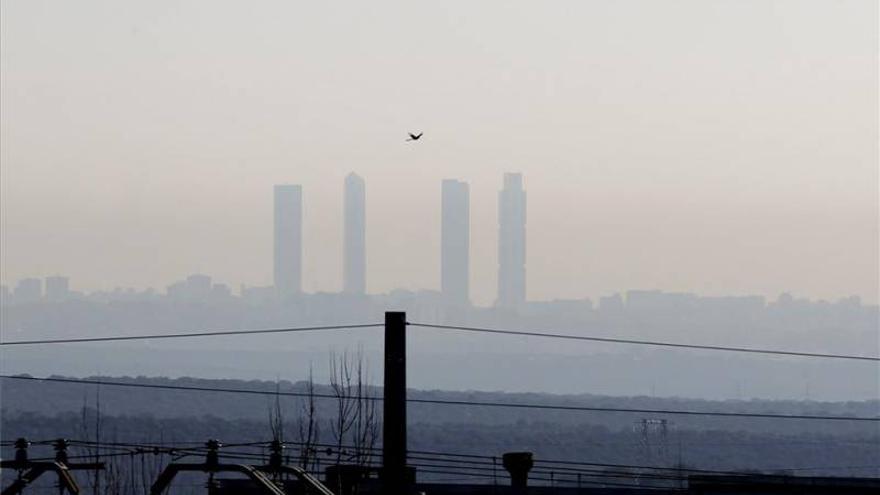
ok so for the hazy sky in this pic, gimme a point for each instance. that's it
(721, 147)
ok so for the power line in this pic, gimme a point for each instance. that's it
(457, 402)
(551, 466)
(546, 470)
(442, 327)
(645, 342)
(817, 468)
(179, 446)
(424, 468)
(540, 478)
(648, 411)
(541, 465)
(664, 473)
(175, 387)
(188, 334)
(544, 462)
(200, 445)
(173, 448)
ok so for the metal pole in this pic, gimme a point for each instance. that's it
(394, 420)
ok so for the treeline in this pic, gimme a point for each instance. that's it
(50, 398)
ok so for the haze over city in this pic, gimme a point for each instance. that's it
(501, 247)
(658, 150)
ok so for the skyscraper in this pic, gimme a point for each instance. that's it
(354, 262)
(455, 241)
(512, 242)
(288, 240)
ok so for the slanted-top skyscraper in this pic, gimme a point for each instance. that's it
(512, 243)
(288, 240)
(455, 242)
(355, 236)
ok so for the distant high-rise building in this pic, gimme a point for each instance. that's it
(455, 241)
(288, 240)
(28, 290)
(512, 242)
(355, 236)
(57, 288)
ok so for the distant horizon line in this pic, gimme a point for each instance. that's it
(623, 294)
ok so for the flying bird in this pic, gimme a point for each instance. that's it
(414, 137)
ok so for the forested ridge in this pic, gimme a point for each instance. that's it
(43, 410)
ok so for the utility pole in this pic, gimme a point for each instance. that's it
(394, 411)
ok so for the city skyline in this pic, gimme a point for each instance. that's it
(37, 289)
(453, 263)
(729, 165)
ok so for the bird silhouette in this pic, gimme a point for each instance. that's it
(414, 137)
